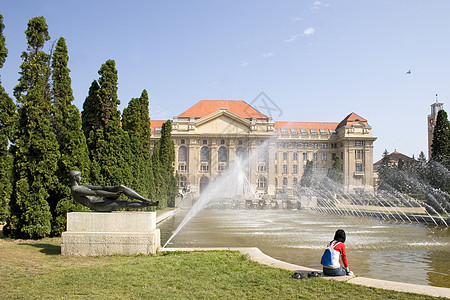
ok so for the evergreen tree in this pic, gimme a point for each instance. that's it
(440, 148)
(109, 145)
(307, 177)
(335, 172)
(71, 140)
(385, 172)
(158, 174)
(36, 150)
(167, 158)
(7, 122)
(136, 121)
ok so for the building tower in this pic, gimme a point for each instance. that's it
(435, 108)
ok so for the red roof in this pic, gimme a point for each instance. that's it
(206, 107)
(394, 157)
(352, 118)
(306, 125)
(156, 123)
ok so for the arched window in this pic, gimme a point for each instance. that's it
(204, 154)
(182, 154)
(285, 182)
(240, 152)
(223, 155)
(262, 182)
(182, 182)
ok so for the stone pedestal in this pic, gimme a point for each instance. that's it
(98, 233)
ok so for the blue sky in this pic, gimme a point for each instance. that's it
(316, 60)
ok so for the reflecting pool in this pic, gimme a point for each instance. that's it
(403, 252)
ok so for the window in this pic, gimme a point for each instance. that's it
(222, 142)
(359, 168)
(294, 130)
(276, 169)
(294, 169)
(222, 168)
(276, 155)
(313, 131)
(182, 154)
(332, 131)
(182, 142)
(324, 156)
(284, 131)
(305, 156)
(284, 169)
(324, 145)
(304, 145)
(240, 142)
(204, 168)
(285, 182)
(262, 182)
(314, 156)
(314, 168)
(295, 180)
(262, 168)
(294, 145)
(295, 156)
(204, 154)
(314, 145)
(285, 155)
(182, 168)
(182, 182)
(205, 142)
(324, 169)
(276, 182)
(358, 154)
(304, 131)
(323, 131)
(359, 143)
(284, 145)
(223, 155)
(333, 156)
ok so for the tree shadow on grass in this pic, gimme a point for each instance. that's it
(48, 249)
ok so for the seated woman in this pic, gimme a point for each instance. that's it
(330, 260)
(104, 198)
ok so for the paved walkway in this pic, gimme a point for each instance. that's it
(258, 256)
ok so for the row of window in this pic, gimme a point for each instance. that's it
(304, 131)
(205, 142)
(315, 155)
(306, 145)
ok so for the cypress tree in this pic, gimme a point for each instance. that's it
(136, 121)
(7, 122)
(167, 158)
(71, 140)
(440, 148)
(109, 145)
(158, 174)
(335, 172)
(36, 150)
(307, 177)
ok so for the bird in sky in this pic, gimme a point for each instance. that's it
(409, 72)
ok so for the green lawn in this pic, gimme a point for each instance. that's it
(35, 270)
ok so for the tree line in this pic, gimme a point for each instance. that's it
(43, 137)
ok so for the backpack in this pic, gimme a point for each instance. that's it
(326, 259)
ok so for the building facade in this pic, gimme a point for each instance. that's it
(214, 135)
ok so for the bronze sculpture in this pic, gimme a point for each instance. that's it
(105, 198)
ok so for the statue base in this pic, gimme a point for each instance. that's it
(98, 233)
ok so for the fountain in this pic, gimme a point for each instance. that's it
(383, 227)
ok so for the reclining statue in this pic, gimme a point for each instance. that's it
(105, 198)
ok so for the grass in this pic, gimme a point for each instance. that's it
(36, 270)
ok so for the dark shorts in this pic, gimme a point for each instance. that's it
(334, 272)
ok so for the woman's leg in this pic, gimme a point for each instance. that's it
(335, 272)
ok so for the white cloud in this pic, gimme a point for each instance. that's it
(319, 4)
(243, 64)
(309, 31)
(268, 54)
(293, 38)
(293, 20)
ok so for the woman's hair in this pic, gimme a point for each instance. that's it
(340, 236)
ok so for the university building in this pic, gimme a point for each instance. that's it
(213, 135)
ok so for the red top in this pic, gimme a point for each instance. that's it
(341, 249)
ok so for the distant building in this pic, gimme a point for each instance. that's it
(212, 134)
(435, 108)
(394, 158)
